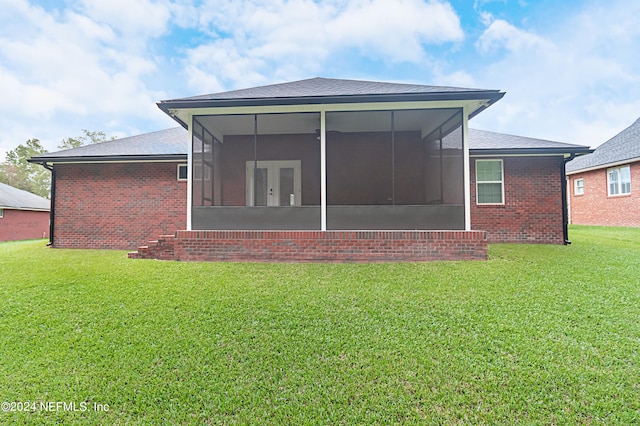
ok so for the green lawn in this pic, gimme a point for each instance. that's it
(536, 334)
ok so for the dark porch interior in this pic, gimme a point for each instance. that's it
(384, 170)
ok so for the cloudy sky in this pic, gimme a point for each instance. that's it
(571, 69)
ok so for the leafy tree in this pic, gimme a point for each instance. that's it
(87, 138)
(17, 172)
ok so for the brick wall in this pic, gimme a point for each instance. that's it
(317, 246)
(24, 225)
(596, 207)
(117, 205)
(532, 212)
(120, 206)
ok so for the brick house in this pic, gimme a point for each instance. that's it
(23, 215)
(314, 170)
(601, 184)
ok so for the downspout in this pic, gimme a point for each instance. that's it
(52, 209)
(565, 210)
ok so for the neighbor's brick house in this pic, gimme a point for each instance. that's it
(603, 185)
(314, 170)
(23, 215)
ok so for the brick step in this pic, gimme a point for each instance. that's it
(162, 249)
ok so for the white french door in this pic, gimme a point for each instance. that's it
(273, 183)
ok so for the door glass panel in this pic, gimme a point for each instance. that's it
(286, 187)
(261, 177)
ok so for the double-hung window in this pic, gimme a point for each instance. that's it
(489, 182)
(578, 186)
(619, 180)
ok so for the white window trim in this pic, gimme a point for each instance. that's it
(1, 213)
(620, 193)
(578, 189)
(501, 182)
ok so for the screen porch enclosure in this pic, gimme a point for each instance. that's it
(382, 170)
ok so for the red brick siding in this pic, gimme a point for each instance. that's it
(532, 212)
(120, 206)
(596, 207)
(317, 246)
(24, 225)
(117, 206)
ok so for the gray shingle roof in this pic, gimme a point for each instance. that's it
(174, 144)
(163, 144)
(14, 198)
(322, 87)
(623, 146)
(483, 140)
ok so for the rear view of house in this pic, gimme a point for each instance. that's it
(23, 215)
(604, 185)
(315, 170)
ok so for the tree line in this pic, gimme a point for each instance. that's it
(17, 172)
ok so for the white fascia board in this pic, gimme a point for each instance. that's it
(183, 161)
(515, 155)
(186, 114)
(29, 209)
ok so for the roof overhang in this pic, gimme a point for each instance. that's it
(181, 110)
(528, 152)
(43, 159)
(29, 209)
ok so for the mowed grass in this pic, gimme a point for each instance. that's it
(536, 334)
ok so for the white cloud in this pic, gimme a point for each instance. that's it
(287, 39)
(501, 34)
(130, 17)
(580, 83)
(68, 66)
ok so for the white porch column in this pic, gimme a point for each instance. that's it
(323, 171)
(467, 173)
(190, 173)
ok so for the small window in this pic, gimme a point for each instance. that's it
(1, 213)
(182, 172)
(489, 182)
(578, 187)
(619, 180)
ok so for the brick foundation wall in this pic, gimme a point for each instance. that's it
(24, 225)
(317, 246)
(532, 212)
(596, 207)
(117, 205)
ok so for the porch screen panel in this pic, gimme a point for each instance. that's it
(399, 169)
(197, 165)
(261, 171)
(453, 161)
(359, 158)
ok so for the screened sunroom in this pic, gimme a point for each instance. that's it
(329, 155)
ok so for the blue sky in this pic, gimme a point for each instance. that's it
(570, 69)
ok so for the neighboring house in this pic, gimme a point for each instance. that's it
(314, 170)
(604, 187)
(23, 215)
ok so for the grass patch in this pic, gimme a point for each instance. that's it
(537, 334)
